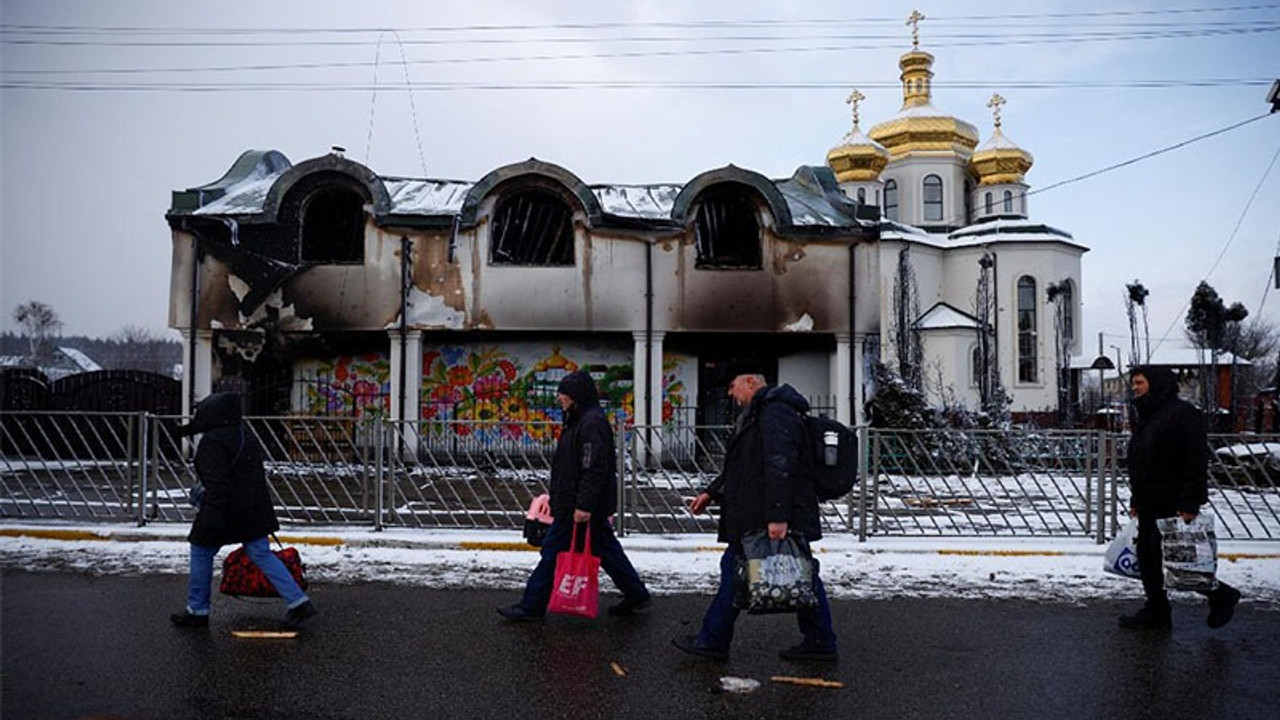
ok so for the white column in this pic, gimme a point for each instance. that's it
(639, 379)
(409, 348)
(406, 348)
(859, 390)
(841, 385)
(197, 372)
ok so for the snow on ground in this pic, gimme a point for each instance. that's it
(1037, 569)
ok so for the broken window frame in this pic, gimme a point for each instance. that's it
(727, 230)
(543, 234)
(317, 241)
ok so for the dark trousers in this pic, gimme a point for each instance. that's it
(1151, 563)
(717, 624)
(604, 545)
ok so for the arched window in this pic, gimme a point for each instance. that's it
(990, 200)
(532, 227)
(333, 226)
(1028, 362)
(932, 198)
(727, 229)
(975, 366)
(891, 199)
(968, 202)
(1008, 201)
(862, 196)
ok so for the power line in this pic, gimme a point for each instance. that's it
(986, 20)
(445, 86)
(938, 40)
(1239, 221)
(1146, 156)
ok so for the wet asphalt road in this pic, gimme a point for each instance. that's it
(76, 646)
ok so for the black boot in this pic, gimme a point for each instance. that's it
(1149, 617)
(1222, 605)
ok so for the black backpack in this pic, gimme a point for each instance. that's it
(834, 451)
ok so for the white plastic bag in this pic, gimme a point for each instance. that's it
(1122, 554)
(1190, 551)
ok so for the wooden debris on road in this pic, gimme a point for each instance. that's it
(807, 681)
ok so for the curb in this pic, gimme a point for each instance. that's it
(81, 535)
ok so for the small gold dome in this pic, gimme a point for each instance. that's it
(858, 158)
(999, 160)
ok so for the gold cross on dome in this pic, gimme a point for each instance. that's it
(994, 103)
(914, 21)
(854, 98)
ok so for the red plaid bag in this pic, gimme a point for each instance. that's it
(242, 578)
(576, 588)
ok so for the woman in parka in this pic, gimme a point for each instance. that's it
(235, 508)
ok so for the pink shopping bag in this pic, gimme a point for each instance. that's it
(576, 587)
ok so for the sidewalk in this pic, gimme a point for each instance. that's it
(1043, 569)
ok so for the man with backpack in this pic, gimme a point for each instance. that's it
(766, 484)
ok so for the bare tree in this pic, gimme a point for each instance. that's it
(40, 323)
(906, 309)
(1135, 297)
(139, 348)
(994, 399)
(1059, 294)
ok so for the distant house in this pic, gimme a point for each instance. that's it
(64, 361)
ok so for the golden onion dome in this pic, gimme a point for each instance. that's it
(919, 126)
(999, 160)
(857, 158)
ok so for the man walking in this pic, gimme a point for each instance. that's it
(765, 485)
(1168, 474)
(584, 491)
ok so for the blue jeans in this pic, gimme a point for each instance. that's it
(604, 545)
(717, 625)
(200, 581)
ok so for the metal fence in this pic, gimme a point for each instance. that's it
(483, 474)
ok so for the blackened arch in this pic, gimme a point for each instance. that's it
(732, 174)
(533, 169)
(360, 177)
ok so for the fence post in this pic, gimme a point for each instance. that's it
(1105, 468)
(864, 443)
(144, 472)
(620, 451)
(380, 455)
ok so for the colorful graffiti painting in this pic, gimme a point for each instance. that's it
(462, 385)
(354, 386)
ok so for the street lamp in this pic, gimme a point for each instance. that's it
(1102, 364)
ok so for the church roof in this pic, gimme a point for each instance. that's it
(944, 317)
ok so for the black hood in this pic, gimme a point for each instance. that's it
(217, 410)
(579, 386)
(1162, 388)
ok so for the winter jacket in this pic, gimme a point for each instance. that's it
(767, 475)
(584, 467)
(1168, 451)
(236, 507)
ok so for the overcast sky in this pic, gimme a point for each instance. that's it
(109, 106)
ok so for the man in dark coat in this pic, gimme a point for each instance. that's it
(584, 491)
(765, 484)
(235, 508)
(1168, 476)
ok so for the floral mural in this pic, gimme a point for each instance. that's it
(351, 386)
(514, 387)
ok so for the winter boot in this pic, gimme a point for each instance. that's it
(1222, 605)
(294, 616)
(187, 619)
(1149, 617)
